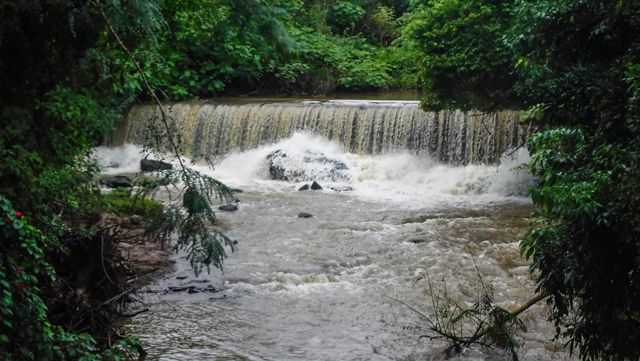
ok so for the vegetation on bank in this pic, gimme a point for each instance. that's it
(574, 65)
(212, 47)
(68, 68)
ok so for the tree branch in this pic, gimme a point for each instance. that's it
(163, 114)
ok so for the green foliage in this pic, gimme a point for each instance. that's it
(577, 63)
(193, 220)
(585, 243)
(56, 102)
(330, 62)
(464, 64)
(125, 202)
(573, 56)
(381, 26)
(213, 47)
(573, 66)
(25, 330)
(345, 15)
(210, 44)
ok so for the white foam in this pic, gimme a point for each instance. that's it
(399, 179)
(122, 159)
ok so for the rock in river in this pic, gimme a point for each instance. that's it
(304, 215)
(118, 181)
(306, 166)
(228, 208)
(152, 165)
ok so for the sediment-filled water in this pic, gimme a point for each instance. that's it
(326, 287)
(363, 127)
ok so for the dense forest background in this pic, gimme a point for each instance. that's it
(573, 66)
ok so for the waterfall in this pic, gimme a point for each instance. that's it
(213, 129)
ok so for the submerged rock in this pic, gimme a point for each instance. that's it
(228, 208)
(191, 289)
(342, 189)
(152, 165)
(304, 215)
(417, 240)
(118, 181)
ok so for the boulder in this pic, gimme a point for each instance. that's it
(152, 165)
(276, 168)
(304, 188)
(305, 166)
(304, 215)
(315, 186)
(118, 181)
(228, 208)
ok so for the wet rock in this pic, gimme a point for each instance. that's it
(417, 241)
(237, 190)
(172, 289)
(342, 189)
(304, 188)
(181, 277)
(304, 215)
(152, 165)
(228, 208)
(305, 166)
(154, 182)
(315, 186)
(136, 219)
(218, 296)
(191, 289)
(118, 181)
(165, 181)
(276, 162)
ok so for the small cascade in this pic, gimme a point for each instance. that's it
(364, 127)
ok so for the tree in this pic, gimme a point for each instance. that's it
(573, 65)
(59, 98)
(464, 64)
(576, 63)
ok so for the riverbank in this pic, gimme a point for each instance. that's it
(147, 260)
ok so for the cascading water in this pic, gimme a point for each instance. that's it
(408, 196)
(362, 127)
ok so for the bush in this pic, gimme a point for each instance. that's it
(124, 202)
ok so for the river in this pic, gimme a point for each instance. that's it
(336, 286)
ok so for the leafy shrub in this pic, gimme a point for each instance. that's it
(464, 64)
(25, 330)
(345, 15)
(125, 202)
